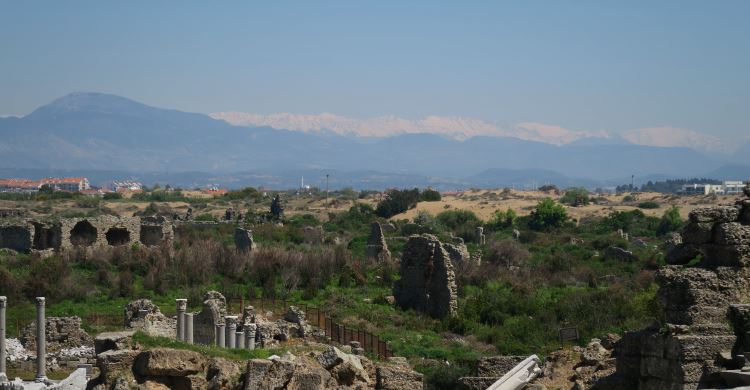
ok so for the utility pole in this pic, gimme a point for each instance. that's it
(632, 182)
(327, 190)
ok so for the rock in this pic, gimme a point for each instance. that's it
(169, 362)
(731, 233)
(279, 374)
(619, 254)
(428, 283)
(397, 377)
(295, 315)
(115, 362)
(223, 374)
(715, 214)
(697, 233)
(113, 341)
(133, 309)
(594, 353)
(497, 366)
(610, 340)
(255, 372)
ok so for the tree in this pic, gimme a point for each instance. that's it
(397, 202)
(503, 219)
(547, 215)
(575, 197)
(430, 195)
(670, 221)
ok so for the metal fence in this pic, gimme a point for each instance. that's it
(337, 332)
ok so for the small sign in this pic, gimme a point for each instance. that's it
(568, 334)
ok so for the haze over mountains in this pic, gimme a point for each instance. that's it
(101, 132)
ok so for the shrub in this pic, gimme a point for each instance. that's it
(670, 221)
(112, 196)
(648, 205)
(430, 195)
(575, 197)
(503, 219)
(548, 214)
(507, 252)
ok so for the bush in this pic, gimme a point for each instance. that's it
(112, 196)
(648, 205)
(670, 221)
(575, 197)
(430, 195)
(503, 219)
(548, 214)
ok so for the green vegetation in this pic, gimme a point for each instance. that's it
(398, 201)
(575, 197)
(670, 221)
(548, 215)
(147, 341)
(648, 205)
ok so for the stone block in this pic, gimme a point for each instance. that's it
(731, 233)
(726, 255)
(255, 373)
(697, 233)
(169, 362)
(404, 378)
(113, 341)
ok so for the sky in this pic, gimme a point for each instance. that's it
(582, 65)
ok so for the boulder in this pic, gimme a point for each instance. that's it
(223, 374)
(114, 363)
(255, 372)
(108, 341)
(169, 362)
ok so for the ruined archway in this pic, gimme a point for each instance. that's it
(83, 234)
(46, 236)
(151, 235)
(117, 236)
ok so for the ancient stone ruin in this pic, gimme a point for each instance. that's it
(243, 240)
(376, 247)
(213, 313)
(702, 337)
(427, 282)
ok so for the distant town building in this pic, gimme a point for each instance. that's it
(18, 185)
(730, 187)
(70, 184)
(127, 186)
(215, 191)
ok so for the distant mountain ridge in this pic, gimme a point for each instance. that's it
(95, 131)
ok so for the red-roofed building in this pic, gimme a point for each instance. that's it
(19, 185)
(72, 184)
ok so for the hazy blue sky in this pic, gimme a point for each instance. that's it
(585, 65)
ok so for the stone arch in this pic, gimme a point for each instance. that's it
(151, 235)
(83, 234)
(117, 236)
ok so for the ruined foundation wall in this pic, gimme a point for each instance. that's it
(94, 231)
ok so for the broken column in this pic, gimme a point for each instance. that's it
(41, 341)
(231, 331)
(250, 330)
(239, 339)
(479, 233)
(188, 322)
(220, 341)
(3, 355)
(181, 307)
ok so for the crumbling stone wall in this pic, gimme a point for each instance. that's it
(457, 252)
(60, 332)
(685, 350)
(144, 315)
(427, 282)
(99, 231)
(17, 237)
(213, 312)
(243, 240)
(156, 231)
(376, 247)
(46, 236)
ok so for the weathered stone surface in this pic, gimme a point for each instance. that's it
(109, 341)
(458, 253)
(114, 363)
(168, 362)
(243, 240)
(397, 377)
(715, 214)
(223, 374)
(17, 237)
(731, 233)
(427, 281)
(143, 315)
(376, 246)
(255, 372)
(99, 231)
(61, 332)
(619, 254)
(132, 310)
(213, 312)
(497, 366)
(697, 233)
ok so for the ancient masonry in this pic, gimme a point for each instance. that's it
(427, 282)
(102, 231)
(702, 340)
(376, 247)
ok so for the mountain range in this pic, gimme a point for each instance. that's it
(97, 132)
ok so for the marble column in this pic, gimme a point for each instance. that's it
(231, 329)
(239, 340)
(250, 330)
(220, 339)
(189, 328)
(41, 341)
(181, 307)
